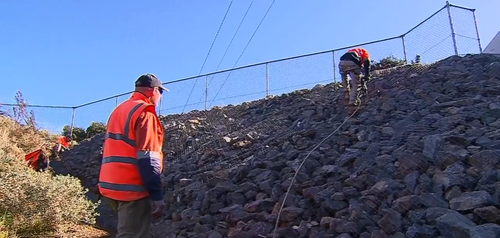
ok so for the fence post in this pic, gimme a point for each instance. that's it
(206, 91)
(448, 7)
(159, 106)
(334, 67)
(477, 31)
(72, 124)
(267, 80)
(404, 49)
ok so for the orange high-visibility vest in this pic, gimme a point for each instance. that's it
(361, 53)
(63, 141)
(34, 158)
(119, 178)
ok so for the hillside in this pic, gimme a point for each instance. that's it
(420, 158)
(30, 201)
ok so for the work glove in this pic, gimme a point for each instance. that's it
(159, 208)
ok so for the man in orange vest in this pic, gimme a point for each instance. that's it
(62, 145)
(133, 160)
(350, 64)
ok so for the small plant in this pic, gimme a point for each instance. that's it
(388, 62)
(79, 133)
(95, 128)
(20, 113)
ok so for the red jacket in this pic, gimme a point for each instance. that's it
(361, 53)
(125, 145)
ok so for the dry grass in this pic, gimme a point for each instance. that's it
(17, 140)
(37, 203)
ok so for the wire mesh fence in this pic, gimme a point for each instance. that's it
(451, 30)
(465, 30)
(50, 118)
(431, 39)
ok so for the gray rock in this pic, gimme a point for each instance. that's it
(453, 224)
(485, 230)
(433, 200)
(403, 204)
(432, 145)
(485, 160)
(343, 226)
(454, 192)
(489, 213)
(432, 213)
(470, 200)
(419, 231)
(290, 213)
(391, 222)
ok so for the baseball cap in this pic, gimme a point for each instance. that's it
(150, 81)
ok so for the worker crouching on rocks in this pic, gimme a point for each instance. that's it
(350, 65)
(62, 145)
(132, 163)
(37, 160)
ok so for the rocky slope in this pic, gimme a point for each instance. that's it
(420, 158)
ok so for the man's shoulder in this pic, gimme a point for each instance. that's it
(148, 114)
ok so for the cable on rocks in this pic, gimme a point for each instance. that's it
(302, 163)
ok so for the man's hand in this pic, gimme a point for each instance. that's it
(159, 208)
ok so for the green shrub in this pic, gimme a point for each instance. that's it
(95, 128)
(32, 202)
(388, 62)
(79, 133)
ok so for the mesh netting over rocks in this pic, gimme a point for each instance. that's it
(421, 158)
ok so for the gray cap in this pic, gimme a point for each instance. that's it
(150, 81)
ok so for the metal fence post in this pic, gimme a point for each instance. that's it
(334, 67)
(72, 124)
(448, 7)
(477, 31)
(267, 79)
(206, 91)
(404, 49)
(159, 106)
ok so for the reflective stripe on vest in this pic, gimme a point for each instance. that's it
(120, 157)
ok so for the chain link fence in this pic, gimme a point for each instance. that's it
(452, 30)
(51, 118)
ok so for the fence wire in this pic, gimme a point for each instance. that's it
(432, 40)
(452, 29)
(466, 34)
(50, 118)
(437, 37)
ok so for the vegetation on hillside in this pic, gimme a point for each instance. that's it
(388, 62)
(80, 134)
(35, 203)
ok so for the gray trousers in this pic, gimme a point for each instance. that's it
(351, 69)
(134, 218)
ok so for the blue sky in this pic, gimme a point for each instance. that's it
(72, 52)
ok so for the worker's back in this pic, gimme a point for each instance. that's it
(120, 154)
